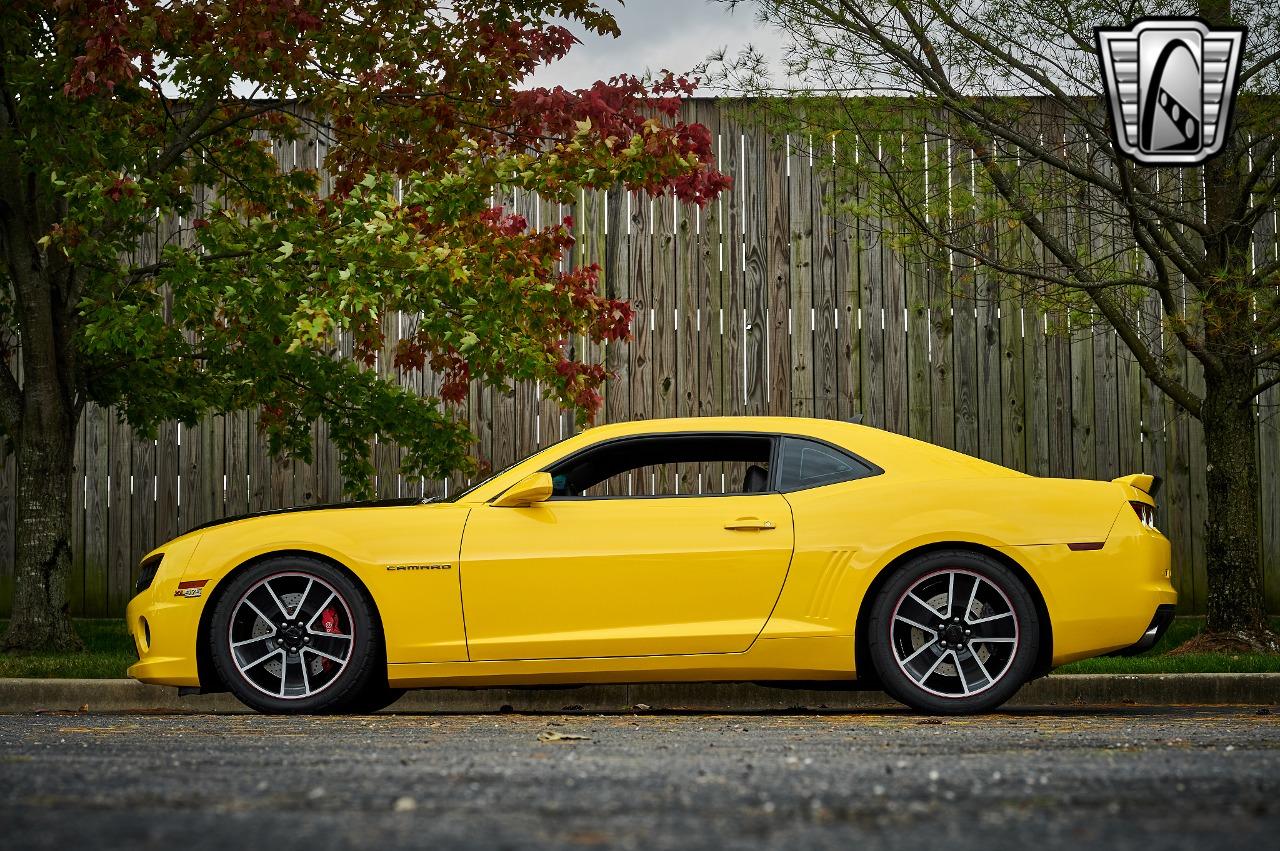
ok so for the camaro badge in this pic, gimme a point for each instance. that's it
(1171, 84)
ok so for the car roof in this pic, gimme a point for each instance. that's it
(904, 456)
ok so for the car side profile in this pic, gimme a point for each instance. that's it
(766, 549)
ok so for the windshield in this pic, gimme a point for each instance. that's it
(484, 481)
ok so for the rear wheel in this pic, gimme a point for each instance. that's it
(953, 632)
(295, 635)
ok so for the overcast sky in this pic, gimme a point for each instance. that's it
(657, 34)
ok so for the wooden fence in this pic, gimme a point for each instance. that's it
(762, 303)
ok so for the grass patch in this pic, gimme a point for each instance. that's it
(108, 653)
(1157, 661)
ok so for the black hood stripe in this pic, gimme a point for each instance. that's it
(371, 503)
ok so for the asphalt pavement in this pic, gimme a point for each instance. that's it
(1117, 777)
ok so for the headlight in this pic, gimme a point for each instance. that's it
(147, 573)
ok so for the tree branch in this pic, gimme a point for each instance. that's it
(1264, 386)
(1267, 356)
(1100, 297)
(140, 272)
(188, 137)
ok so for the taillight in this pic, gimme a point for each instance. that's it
(1147, 514)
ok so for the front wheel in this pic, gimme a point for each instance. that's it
(295, 635)
(953, 632)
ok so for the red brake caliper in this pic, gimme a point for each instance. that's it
(329, 621)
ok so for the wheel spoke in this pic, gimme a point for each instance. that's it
(920, 609)
(978, 659)
(284, 613)
(978, 639)
(260, 614)
(337, 646)
(256, 638)
(297, 607)
(320, 608)
(964, 683)
(256, 662)
(929, 673)
(284, 672)
(328, 656)
(973, 594)
(951, 593)
(991, 618)
(306, 680)
(306, 611)
(923, 647)
(917, 625)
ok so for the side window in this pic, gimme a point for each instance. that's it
(810, 464)
(666, 465)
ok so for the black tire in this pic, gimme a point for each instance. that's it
(328, 688)
(948, 672)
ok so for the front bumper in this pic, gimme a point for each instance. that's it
(1159, 626)
(164, 624)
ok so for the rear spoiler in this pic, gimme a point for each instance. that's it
(1145, 482)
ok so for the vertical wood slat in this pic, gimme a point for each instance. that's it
(964, 312)
(664, 307)
(96, 544)
(871, 279)
(755, 275)
(894, 318)
(778, 363)
(938, 306)
(768, 300)
(78, 493)
(119, 505)
(801, 312)
(828, 356)
(641, 347)
(918, 314)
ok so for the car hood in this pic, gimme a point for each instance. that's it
(331, 506)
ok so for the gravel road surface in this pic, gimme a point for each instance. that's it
(1082, 778)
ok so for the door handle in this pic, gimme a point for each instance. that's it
(749, 524)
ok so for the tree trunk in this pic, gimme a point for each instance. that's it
(1232, 540)
(41, 618)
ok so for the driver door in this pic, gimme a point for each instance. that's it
(624, 575)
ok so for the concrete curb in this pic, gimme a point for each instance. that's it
(40, 695)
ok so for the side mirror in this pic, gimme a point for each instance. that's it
(531, 489)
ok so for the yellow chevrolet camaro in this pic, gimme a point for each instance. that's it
(726, 549)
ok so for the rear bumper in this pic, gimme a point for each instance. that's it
(1159, 626)
(1102, 600)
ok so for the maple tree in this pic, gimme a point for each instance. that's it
(121, 114)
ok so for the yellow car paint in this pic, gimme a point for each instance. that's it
(622, 577)
(681, 588)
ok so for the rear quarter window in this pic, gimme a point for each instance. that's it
(808, 463)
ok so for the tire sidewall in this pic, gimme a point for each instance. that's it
(896, 682)
(348, 686)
